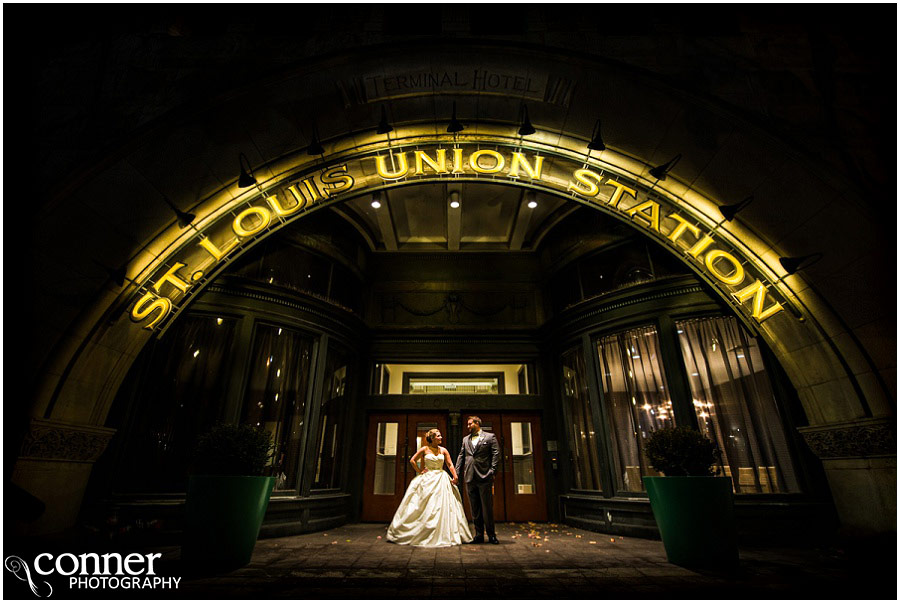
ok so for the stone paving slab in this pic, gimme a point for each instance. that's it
(533, 561)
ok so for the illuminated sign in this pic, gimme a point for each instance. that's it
(658, 216)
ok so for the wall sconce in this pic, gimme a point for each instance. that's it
(454, 125)
(526, 128)
(116, 275)
(660, 171)
(730, 211)
(314, 147)
(792, 265)
(596, 143)
(383, 126)
(184, 218)
(246, 178)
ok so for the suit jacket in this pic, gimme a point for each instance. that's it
(478, 463)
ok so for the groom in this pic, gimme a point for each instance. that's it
(480, 455)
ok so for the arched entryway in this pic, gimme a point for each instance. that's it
(837, 380)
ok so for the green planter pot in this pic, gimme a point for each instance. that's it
(223, 517)
(695, 516)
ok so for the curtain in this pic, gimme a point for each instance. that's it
(328, 467)
(179, 397)
(636, 397)
(577, 401)
(276, 396)
(735, 406)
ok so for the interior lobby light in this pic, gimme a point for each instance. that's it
(376, 201)
(526, 128)
(730, 211)
(532, 199)
(383, 126)
(454, 200)
(596, 143)
(246, 178)
(792, 265)
(315, 148)
(454, 125)
(660, 171)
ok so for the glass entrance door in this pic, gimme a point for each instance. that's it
(392, 439)
(519, 488)
(525, 494)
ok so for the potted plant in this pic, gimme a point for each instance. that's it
(693, 508)
(227, 496)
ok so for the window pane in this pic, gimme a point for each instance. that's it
(637, 400)
(386, 458)
(735, 405)
(523, 457)
(454, 385)
(328, 466)
(423, 427)
(276, 395)
(180, 392)
(575, 396)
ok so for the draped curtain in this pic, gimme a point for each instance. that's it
(328, 467)
(735, 405)
(180, 396)
(276, 395)
(636, 397)
(576, 399)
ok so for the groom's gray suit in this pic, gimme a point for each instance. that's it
(476, 465)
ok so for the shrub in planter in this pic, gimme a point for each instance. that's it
(680, 451)
(232, 450)
(227, 496)
(693, 509)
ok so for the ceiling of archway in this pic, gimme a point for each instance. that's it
(489, 218)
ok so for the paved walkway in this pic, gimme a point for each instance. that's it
(533, 561)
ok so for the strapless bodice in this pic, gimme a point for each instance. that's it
(434, 462)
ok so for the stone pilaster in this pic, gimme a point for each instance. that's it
(54, 465)
(860, 461)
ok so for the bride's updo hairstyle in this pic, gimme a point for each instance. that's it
(429, 435)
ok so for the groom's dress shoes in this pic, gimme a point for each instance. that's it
(493, 540)
(477, 540)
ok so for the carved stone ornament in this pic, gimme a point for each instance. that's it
(854, 439)
(55, 440)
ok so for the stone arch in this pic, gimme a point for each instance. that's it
(738, 264)
(189, 155)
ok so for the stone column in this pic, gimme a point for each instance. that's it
(860, 461)
(54, 465)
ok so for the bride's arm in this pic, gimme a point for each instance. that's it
(416, 457)
(451, 466)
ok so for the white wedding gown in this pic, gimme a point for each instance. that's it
(431, 512)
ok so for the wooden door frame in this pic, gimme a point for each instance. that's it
(372, 512)
(540, 513)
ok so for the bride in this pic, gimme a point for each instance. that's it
(431, 512)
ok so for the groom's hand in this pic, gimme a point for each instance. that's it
(454, 481)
